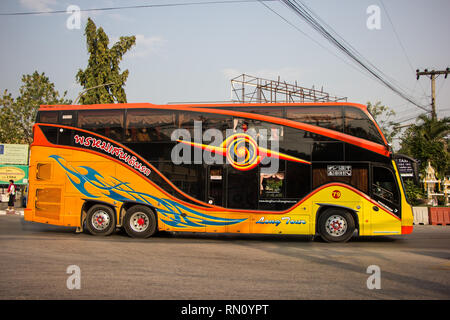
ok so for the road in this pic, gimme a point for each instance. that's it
(34, 259)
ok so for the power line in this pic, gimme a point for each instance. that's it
(400, 43)
(311, 38)
(134, 7)
(319, 25)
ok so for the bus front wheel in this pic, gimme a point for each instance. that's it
(336, 225)
(140, 222)
(100, 220)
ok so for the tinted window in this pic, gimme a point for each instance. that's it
(68, 118)
(242, 195)
(108, 123)
(153, 151)
(328, 151)
(354, 153)
(298, 180)
(187, 120)
(188, 178)
(296, 143)
(48, 117)
(51, 133)
(145, 125)
(64, 136)
(259, 129)
(329, 117)
(216, 121)
(358, 124)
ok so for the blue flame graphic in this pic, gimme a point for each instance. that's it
(170, 212)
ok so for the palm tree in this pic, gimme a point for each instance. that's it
(428, 140)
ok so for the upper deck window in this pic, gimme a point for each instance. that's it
(329, 117)
(358, 124)
(48, 117)
(148, 125)
(108, 123)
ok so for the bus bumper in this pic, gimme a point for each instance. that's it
(407, 229)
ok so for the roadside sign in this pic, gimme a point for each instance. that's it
(14, 154)
(18, 173)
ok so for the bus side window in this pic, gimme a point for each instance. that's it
(108, 123)
(48, 117)
(148, 125)
(329, 117)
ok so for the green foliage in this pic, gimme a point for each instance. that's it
(382, 114)
(103, 71)
(428, 141)
(18, 114)
(414, 193)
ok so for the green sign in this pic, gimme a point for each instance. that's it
(18, 173)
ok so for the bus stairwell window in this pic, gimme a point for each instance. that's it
(384, 185)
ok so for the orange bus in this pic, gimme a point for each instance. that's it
(311, 169)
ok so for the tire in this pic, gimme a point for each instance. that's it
(140, 222)
(336, 225)
(100, 220)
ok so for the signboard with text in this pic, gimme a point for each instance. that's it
(14, 154)
(17, 173)
(407, 167)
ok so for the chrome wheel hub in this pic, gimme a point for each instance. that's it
(100, 220)
(336, 226)
(139, 222)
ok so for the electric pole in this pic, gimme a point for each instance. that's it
(433, 75)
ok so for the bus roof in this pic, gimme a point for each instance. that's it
(193, 105)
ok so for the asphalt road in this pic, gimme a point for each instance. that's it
(34, 259)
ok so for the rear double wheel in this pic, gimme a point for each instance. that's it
(140, 222)
(336, 225)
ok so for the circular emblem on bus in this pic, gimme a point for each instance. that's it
(242, 152)
(336, 194)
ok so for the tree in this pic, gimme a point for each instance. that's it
(18, 114)
(428, 141)
(382, 114)
(103, 72)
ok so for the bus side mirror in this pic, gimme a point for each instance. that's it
(389, 148)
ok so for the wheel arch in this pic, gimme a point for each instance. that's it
(324, 206)
(128, 204)
(88, 204)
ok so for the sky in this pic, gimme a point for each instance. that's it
(190, 53)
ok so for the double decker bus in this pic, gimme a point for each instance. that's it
(309, 169)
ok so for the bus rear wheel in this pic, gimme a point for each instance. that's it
(100, 220)
(140, 222)
(336, 225)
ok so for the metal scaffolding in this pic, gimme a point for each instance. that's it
(249, 89)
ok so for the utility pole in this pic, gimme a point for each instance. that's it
(433, 75)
